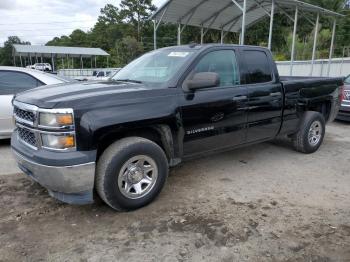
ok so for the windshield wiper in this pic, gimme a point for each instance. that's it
(129, 80)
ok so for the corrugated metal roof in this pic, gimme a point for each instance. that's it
(224, 14)
(60, 51)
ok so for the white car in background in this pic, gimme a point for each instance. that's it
(14, 80)
(41, 66)
(103, 74)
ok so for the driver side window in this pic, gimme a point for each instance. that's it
(222, 62)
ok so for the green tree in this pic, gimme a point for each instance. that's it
(76, 38)
(109, 15)
(136, 12)
(6, 52)
(109, 28)
(79, 38)
(126, 50)
(59, 41)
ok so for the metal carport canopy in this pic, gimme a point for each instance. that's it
(59, 51)
(35, 51)
(236, 16)
(225, 14)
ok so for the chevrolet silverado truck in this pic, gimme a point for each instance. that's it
(116, 139)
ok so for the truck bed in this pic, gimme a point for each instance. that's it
(310, 87)
(308, 92)
(286, 78)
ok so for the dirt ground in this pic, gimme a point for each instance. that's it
(260, 203)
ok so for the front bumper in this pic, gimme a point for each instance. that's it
(70, 183)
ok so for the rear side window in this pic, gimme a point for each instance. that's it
(222, 62)
(258, 67)
(16, 82)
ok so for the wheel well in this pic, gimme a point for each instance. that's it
(148, 133)
(323, 107)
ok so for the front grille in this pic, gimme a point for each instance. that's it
(25, 115)
(347, 94)
(27, 136)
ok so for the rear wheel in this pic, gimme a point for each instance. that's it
(311, 132)
(131, 173)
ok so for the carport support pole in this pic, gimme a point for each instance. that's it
(53, 63)
(315, 43)
(202, 35)
(222, 36)
(271, 23)
(293, 42)
(30, 59)
(81, 62)
(342, 61)
(154, 35)
(243, 21)
(332, 47)
(95, 62)
(20, 58)
(179, 34)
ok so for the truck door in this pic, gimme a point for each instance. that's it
(265, 96)
(215, 117)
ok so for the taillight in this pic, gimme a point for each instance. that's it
(342, 93)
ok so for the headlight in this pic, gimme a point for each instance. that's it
(66, 141)
(56, 119)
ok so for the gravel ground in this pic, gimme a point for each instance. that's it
(8, 165)
(261, 203)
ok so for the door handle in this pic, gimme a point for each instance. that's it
(239, 98)
(275, 94)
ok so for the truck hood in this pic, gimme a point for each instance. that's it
(74, 94)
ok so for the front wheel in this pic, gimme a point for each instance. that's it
(311, 132)
(131, 173)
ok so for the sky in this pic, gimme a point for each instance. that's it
(38, 21)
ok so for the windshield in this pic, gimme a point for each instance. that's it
(347, 80)
(156, 67)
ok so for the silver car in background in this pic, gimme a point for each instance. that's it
(344, 112)
(14, 80)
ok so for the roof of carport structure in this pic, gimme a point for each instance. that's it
(59, 51)
(225, 14)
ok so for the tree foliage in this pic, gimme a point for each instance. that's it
(136, 12)
(6, 51)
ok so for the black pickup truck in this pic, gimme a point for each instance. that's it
(117, 138)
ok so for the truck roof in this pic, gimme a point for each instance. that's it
(200, 47)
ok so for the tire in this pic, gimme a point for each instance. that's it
(131, 173)
(313, 124)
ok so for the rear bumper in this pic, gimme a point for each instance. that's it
(344, 112)
(66, 181)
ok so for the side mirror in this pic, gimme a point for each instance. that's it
(203, 80)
